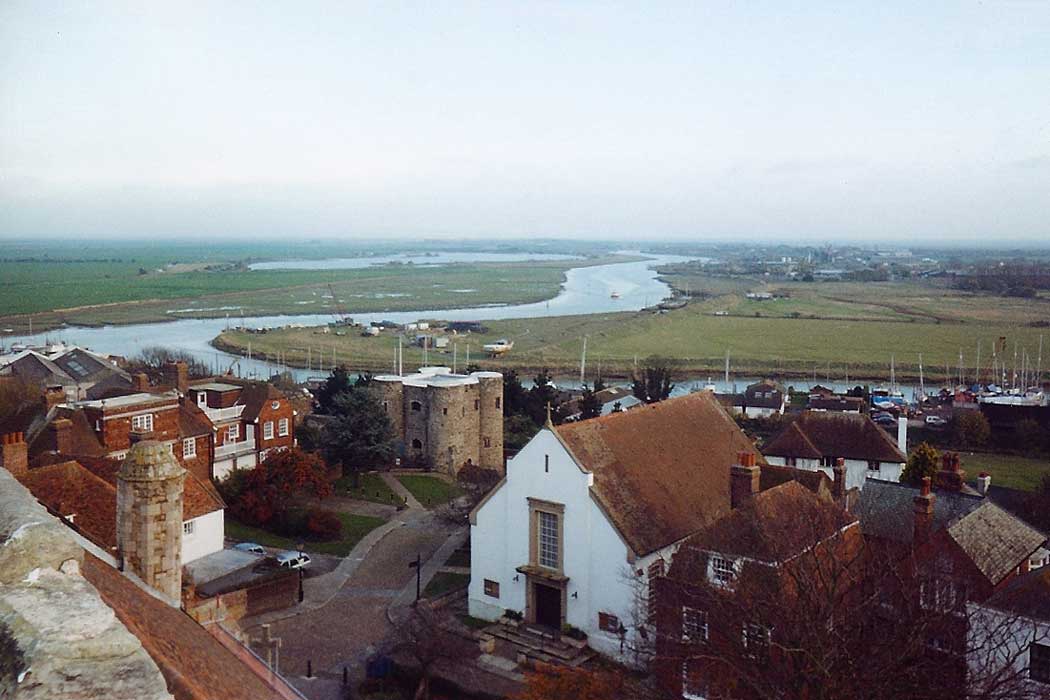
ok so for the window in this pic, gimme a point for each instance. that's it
(189, 448)
(656, 570)
(275, 405)
(282, 427)
(546, 463)
(942, 595)
(498, 402)
(721, 571)
(548, 540)
(233, 432)
(386, 408)
(827, 461)
(487, 442)
(268, 430)
(444, 411)
(477, 404)
(755, 638)
(791, 461)
(416, 406)
(873, 465)
(1039, 662)
(492, 588)
(693, 686)
(694, 625)
(171, 448)
(417, 445)
(188, 527)
(607, 622)
(143, 423)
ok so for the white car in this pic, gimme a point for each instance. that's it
(936, 421)
(292, 559)
(250, 547)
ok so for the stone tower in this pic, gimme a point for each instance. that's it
(490, 428)
(149, 516)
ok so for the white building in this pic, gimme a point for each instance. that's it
(816, 439)
(589, 513)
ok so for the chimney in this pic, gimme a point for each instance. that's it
(743, 479)
(140, 382)
(951, 475)
(62, 435)
(177, 374)
(14, 454)
(53, 396)
(839, 472)
(923, 517)
(984, 480)
(902, 434)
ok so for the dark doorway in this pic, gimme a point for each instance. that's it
(548, 606)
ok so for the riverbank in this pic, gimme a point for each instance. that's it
(694, 340)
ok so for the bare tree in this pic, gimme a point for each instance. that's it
(422, 638)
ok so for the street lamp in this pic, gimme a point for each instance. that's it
(417, 565)
(301, 595)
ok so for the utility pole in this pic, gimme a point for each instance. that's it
(418, 566)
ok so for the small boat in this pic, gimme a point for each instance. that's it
(499, 347)
(615, 295)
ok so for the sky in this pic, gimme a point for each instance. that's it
(811, 121)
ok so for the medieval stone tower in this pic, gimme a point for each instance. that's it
(149, 516)
(444, 420)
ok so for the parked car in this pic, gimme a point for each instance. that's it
(250, 547)
(292, 559)
(936, 421)
(886, 420)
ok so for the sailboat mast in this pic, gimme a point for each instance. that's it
(978, 365)
(583, 360)
(727, 369)
(922, 385)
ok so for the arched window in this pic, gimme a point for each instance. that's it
(417, 444)
(416, 406)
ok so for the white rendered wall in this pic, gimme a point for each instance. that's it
(857, 471)
(207, 537)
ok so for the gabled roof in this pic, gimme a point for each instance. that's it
(83, 441)
(35, 367)
(255, 395)
(813, 479)
(74, 493)
(774, 525)
(887, 509)
(661, 471)
(995, 540)
(1027, 595)
(792, 442)
(193, 422)
(84, 366)
(834, 434)
(195, 664)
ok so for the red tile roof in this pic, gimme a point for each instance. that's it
(834, 434)
(71, 491)
(195, 664)
(661, 472)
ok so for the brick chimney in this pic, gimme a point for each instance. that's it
(743, 479)
(177, 374)
(923, 517)
(839, 471)
(140, 381)
(951, 476)
(984, 482)
(53, 395)
(14, 454)
(61, 430)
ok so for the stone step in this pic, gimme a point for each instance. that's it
(558, 650)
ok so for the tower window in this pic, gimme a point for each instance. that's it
(416, 406)
(417, 444)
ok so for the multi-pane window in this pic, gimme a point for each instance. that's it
(722, 571)
(694, 625)
(143, 423)
(755, 638)
(282, 427)
(656, 570)
(693, 685)
(189, 448)
(188, 527)
(873, 465)
(492, 588)
(548, 540)
(233, 432)
(1039, 662)
(941, 595)
(268, 430)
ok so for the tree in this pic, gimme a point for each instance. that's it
(1029, 436)
(1037, 507)
(360, 437)
(423, 641)
(590, 406)
(654, 382)
(970, 429)
(336, 383)
(256, 496)
(515, 398)
(567, 683)
(923, 462)
(15, 392)
(151, 359)
(542, 395)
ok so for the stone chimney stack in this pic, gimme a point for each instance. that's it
(177, 374)
(149, 516)
(923, 517)
(53, 395)
(839, 472)
(61, 430)
(14, 454)
(951, 476)
(744, 479)
(140, 381)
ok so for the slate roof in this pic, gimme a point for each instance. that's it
(33, 366)
(195, 664)
(661, 471)
(836, 403)
(995, 540)
(886, 509)
(835, 434)
(85, 367)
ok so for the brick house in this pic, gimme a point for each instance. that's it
(117, 419)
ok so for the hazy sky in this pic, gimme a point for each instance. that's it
(920, 121)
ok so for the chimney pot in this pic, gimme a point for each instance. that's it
(983, 482)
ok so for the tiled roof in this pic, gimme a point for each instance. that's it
(834, 434)
(193, 422)
(792, 442)
(995, 540)
(35, 367)
(195, 664)
(254, 396)
(69, 490)
(661, 471)
(84, 366)
(774, 525)
(813, 479)
(836, 403)
(83, 442)
(199, 497)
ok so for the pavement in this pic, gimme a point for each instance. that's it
(346, 615)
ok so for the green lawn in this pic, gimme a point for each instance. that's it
(371, 488)
(443, 582)
(354, 528)
(460, 557)
(1014, 472)
(474, 623)
(429, 490)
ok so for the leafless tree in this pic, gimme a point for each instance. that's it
(422, 639)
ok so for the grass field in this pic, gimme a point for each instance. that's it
(354, 528)
(1013, 472)
(371, 488)
(429, 490)
(443, 582)
(694, 337)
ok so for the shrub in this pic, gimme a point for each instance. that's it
(573, 632)
(323, 524)
(513, 615)
(289, 523)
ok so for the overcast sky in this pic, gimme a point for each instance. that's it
(919, 121)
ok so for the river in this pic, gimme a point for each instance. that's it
(586, 290)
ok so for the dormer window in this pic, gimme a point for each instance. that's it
(721, 570)
(275, 405)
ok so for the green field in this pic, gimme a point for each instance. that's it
(429, 490)
(371, 487)
(1013, 472)
(354, 528)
